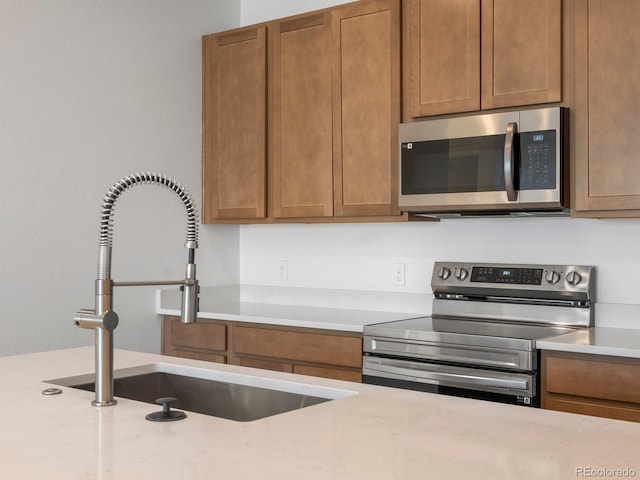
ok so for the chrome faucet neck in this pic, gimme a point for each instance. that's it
(102, 318)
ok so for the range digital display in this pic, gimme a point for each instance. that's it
(519, 276)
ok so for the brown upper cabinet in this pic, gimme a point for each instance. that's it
(327, 101)
(366, 108)
(607, 68)
(334, 112)
(467, 55)
(234, 133)
(300, 120)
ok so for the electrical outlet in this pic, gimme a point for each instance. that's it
(398, 275)
(282, 270)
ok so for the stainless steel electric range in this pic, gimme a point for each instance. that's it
(480, 341)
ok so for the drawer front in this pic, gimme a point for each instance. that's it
(334, 373)
(305, 347)
(590, 377)
(202, 335)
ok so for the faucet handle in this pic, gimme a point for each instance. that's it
(86, 318)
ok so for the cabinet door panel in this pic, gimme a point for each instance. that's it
(443, 56)
(234, 125)
(301, 120)
(366, 109)
(607, 165)
(521, 52)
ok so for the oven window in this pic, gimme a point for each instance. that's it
(474, 164)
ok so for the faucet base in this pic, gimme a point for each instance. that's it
(95, 403)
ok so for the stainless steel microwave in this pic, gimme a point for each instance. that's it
(498, 163)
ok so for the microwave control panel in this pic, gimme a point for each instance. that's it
(538, 160)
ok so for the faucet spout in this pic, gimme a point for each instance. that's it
(102, 319)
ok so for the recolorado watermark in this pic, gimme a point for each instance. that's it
(605, 472)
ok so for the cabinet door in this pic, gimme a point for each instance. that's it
(442, 56)
(234, 125)
(366, 107)
(301, 117)
(607, 165)
(521, 52)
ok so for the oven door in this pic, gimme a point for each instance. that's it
(471, 350)
(520, 387)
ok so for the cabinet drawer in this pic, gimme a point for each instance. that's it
(350, 376)
(202, 334)
(306, 347)
(610, 379)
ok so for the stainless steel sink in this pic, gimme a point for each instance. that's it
(235, 397)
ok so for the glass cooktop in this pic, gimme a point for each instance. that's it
(422, 326)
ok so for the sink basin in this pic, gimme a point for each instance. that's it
(235, 397)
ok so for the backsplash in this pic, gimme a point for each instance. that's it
(362, 256)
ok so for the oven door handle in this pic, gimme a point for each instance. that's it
(480, 380)
(416, 370)
(509, 161)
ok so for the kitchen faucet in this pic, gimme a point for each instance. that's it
(102, 318)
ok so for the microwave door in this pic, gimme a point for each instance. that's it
(458, 173)
(458, 164)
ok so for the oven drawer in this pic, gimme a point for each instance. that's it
(475, 355)
(516, 384)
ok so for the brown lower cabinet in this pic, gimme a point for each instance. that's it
(320, 353)
(598, 385)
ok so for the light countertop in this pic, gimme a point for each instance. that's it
(619, 342)
(295, 315)
(233, 308)
(380, 433)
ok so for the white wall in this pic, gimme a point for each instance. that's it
(361, 256)
(256, 11)
(91, 91)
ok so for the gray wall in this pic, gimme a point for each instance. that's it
(91, 91)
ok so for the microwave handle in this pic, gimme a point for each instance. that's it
(509, 161)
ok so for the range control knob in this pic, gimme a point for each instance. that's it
(444, 273)
(461, 273)
(552, 277)
(573, 278)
